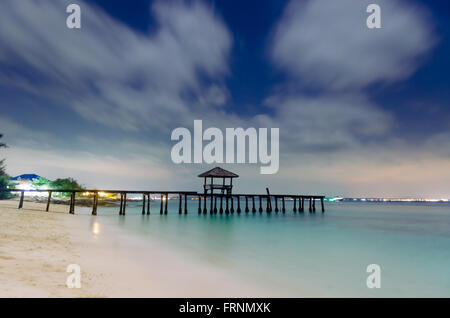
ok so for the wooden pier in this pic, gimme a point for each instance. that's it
(219, 203)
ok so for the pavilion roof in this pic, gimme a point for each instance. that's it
(218, 172)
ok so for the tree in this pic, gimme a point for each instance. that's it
(4, 178)
(2, 161)
(66, 184)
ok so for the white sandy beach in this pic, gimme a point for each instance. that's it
(36, 247)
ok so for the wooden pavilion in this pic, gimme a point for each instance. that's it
(218, 173)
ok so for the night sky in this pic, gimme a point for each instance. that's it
(361, 112)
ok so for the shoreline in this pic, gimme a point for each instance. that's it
(37, 246)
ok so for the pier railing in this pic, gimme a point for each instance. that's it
(218, 203)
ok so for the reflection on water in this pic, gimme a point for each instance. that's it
(327, 254)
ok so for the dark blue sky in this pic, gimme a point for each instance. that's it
(346, 98)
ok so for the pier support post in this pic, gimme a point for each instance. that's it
(204, 205)
(283, 209)
(253, 204)
(295, 205)
(162, 202)
(148, 204)
(268, 204)
(215, 204)
(310, 205)
(211, 210)
(124, 203)
(246, 204)
(167, 201)
(260, 204)
(94, 206)
(143, 203)
(22, 195)
(232, 204)
(323, 206)
(72, 203)
(180, 199)
(221, 206)
(239, 204)
(121, 204)
(314, 205)
(227, 211)
(185, 204)
(276, 203)
(302, 208)
(48, 201)
(199, 204)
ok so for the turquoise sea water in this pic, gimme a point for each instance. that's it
(322, 254)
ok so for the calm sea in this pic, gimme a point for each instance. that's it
(322, 254)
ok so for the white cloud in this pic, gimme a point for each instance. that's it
(111, 74)
(327, 43)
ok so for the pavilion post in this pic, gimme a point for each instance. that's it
(215, 204)
(232, 203)
(221, 206)
(199, 204)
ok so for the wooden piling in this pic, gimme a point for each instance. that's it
(48, 201)
(162, 203)
(148, 204)
(310, 205)
(295, 205)
(143, 203)
(72, 203)
(211, 204)
(221, 207)
(121, 204)
(232, 204)
(167, 200)
(22, 195)
(227, 211)
(253, 204)
(302, 209)
(260, 204)
(95, 203)
(269, 202)
(239, 204)
(283, 209)
(314, 205)
(185, 204)
(276, 203)
(180, 199)
(199, 204)
(246, 204)
(124, 203)
(204, 204)
(215, 204)
(323, 206)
